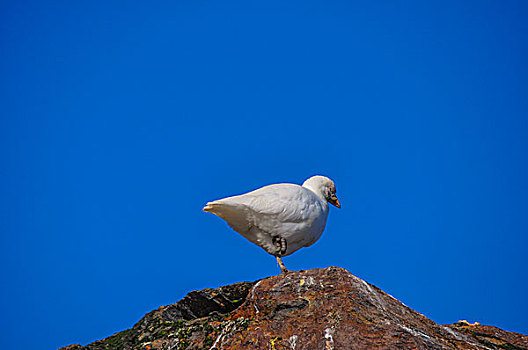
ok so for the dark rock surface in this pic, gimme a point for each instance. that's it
(315, 309)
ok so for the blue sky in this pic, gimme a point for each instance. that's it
(120, 120)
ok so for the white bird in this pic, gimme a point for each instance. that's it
(280, 218)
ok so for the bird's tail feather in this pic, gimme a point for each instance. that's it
(235, 216)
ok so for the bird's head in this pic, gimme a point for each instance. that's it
(324, 187)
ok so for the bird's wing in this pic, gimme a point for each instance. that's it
(285, 202)
(272, 208)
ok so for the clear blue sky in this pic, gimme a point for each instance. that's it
(119, 120)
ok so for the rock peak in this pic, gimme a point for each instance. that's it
(314, 309)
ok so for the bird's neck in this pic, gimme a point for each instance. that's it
(315, 189)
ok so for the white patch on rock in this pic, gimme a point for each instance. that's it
(329, 332)
(293, 341)
(252, 298)
(217, 340)
(222, 335)
(372, 294)
(414, 332)
(305, 282)
(454, 334)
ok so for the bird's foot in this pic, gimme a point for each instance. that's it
(283, 268)
(280, 244)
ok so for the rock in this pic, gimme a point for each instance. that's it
(315, 309)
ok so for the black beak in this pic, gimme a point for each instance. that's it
(334, 201)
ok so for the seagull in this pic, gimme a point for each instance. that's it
(280, 218)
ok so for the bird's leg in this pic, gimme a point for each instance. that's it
(282, 246)
(283, 268)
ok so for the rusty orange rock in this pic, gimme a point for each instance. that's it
(314, 309)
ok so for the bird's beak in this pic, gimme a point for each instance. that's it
(334, 201)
